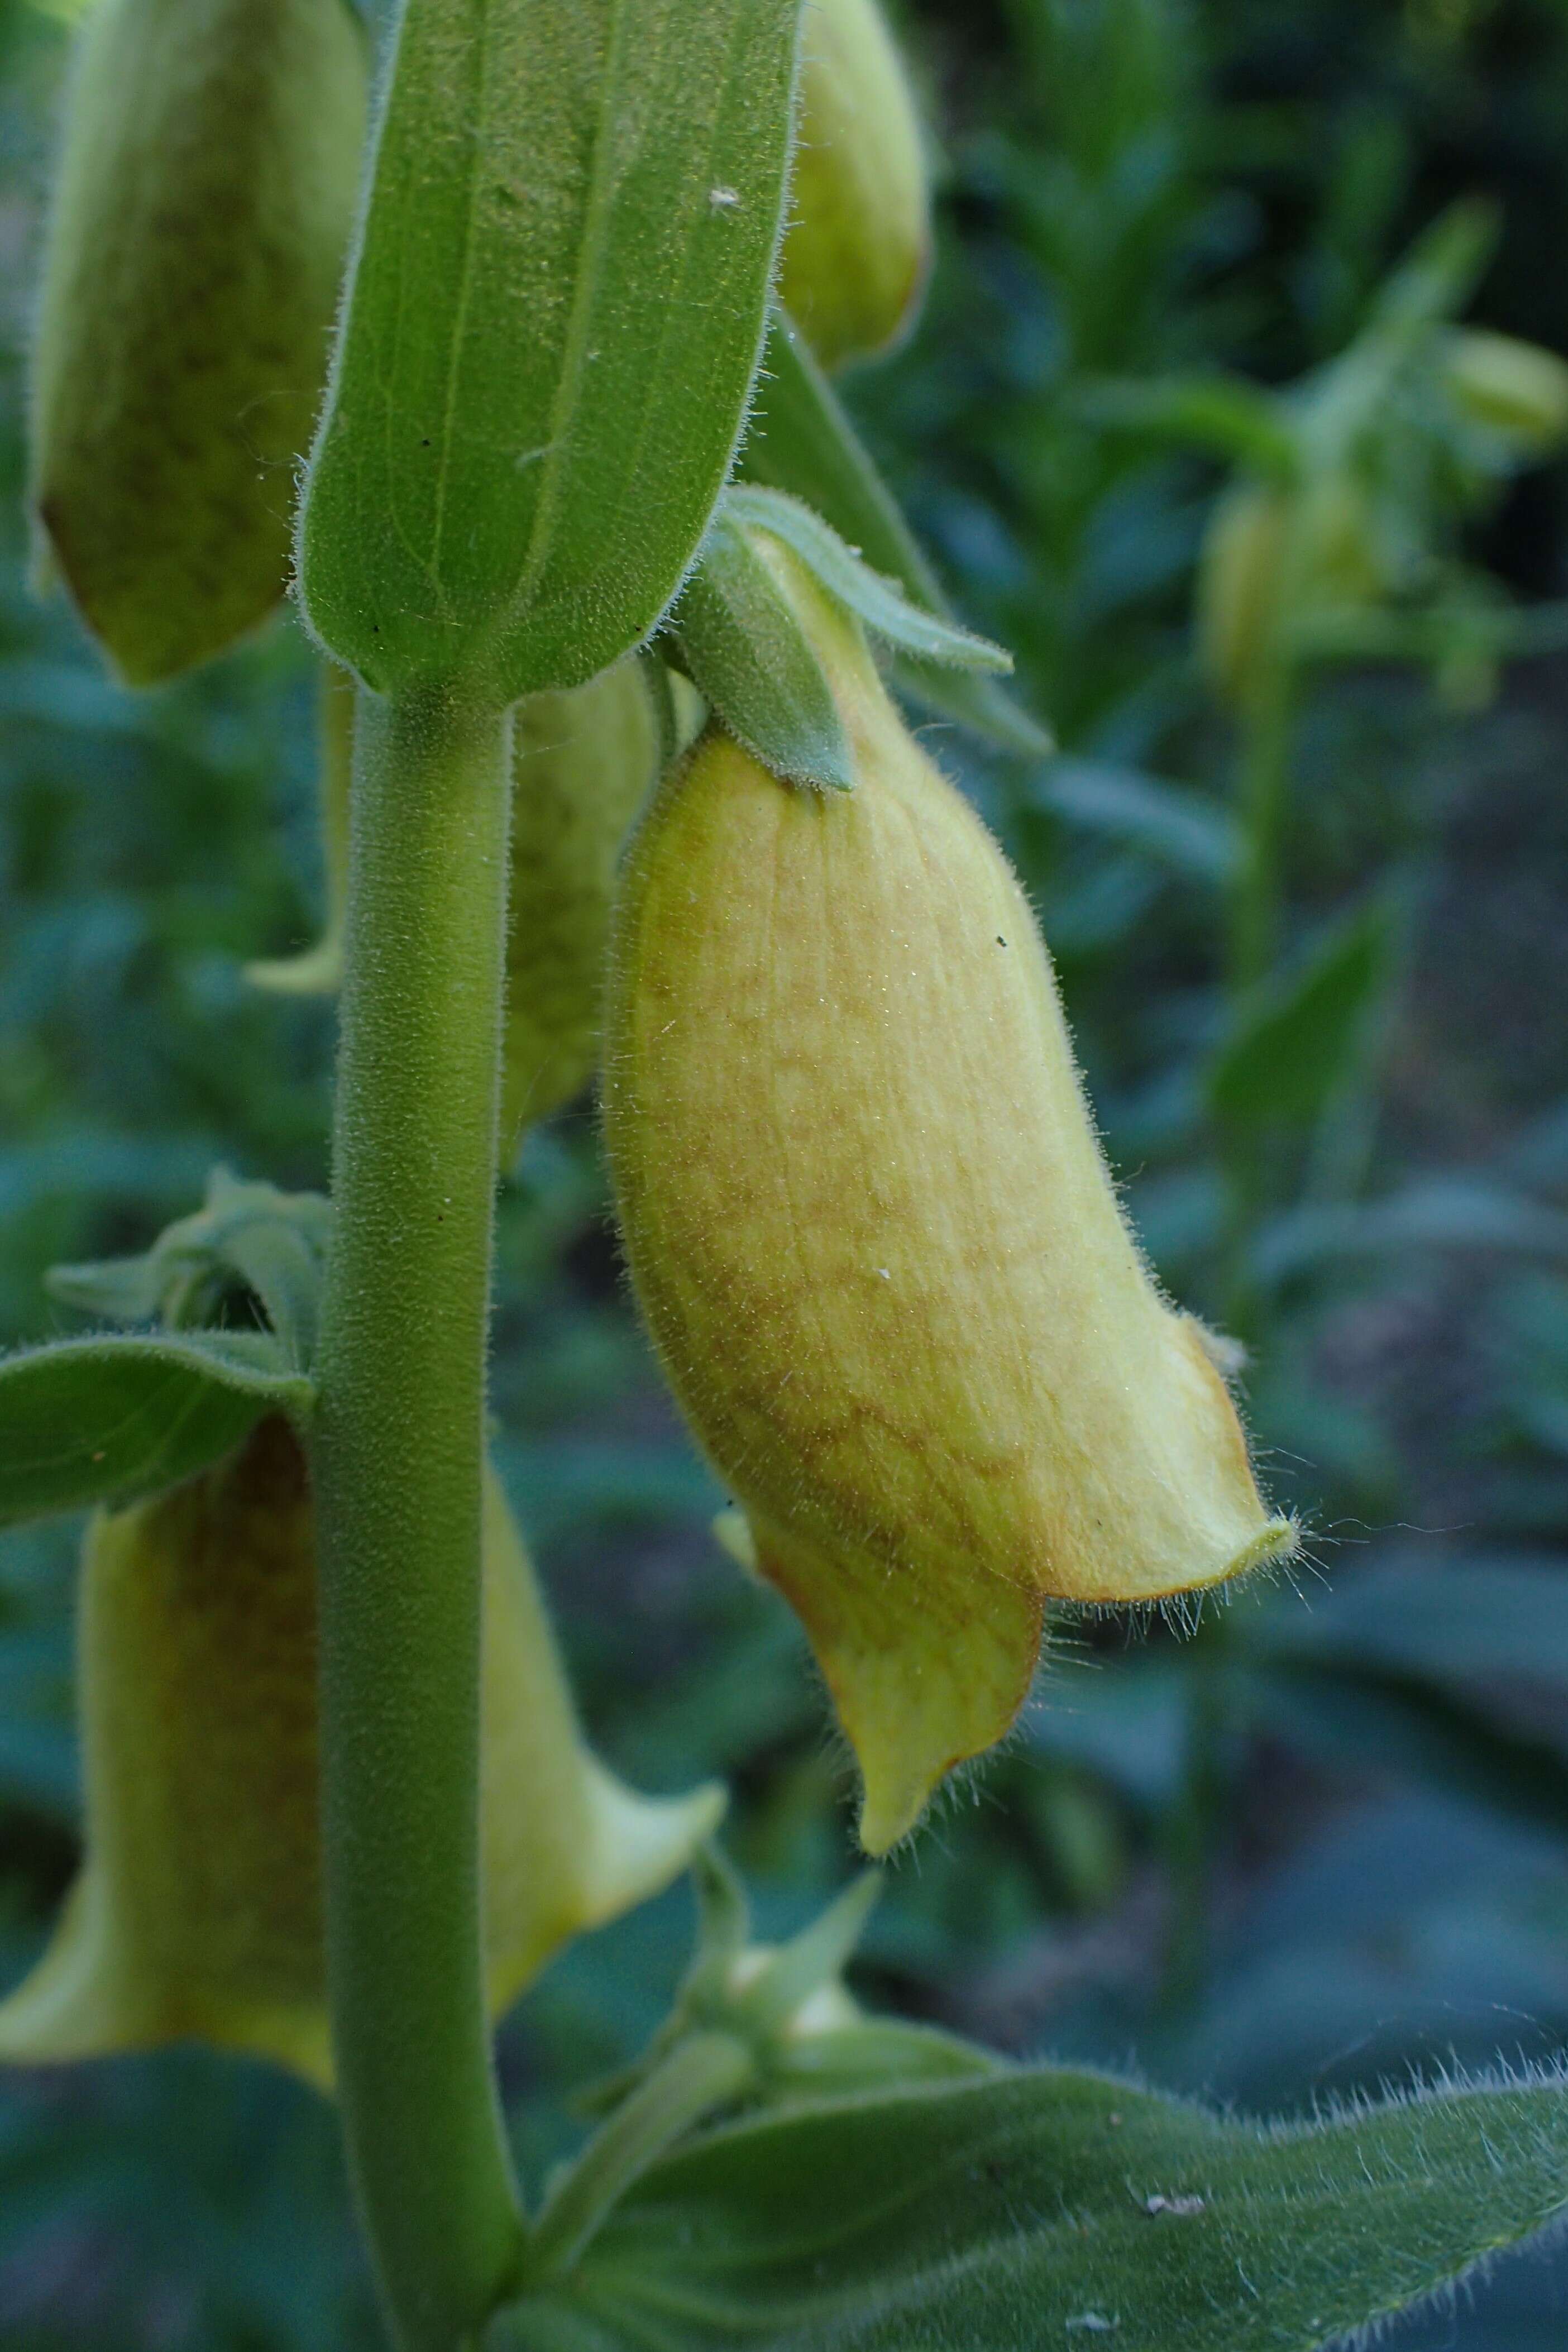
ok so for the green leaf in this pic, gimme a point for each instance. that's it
(1454, 628)
(1050, 2207)
(1341, 403)
(1180, 828)
(879, 602)
(1219, 413)
(1362, 1722)
(1440, 1213)
(551, 328)
(749, 656)
(1418, 1667)
(801, 441)
(1495, 1616)
(1441, 271)
(884, 2054)
(1129, 1728)
(109, 1419)
(1297, 1043)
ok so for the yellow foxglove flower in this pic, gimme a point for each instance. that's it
(858, 245)
(201, 219)
(198, 1912)
(1238, 585)
(1514, 388)
(583, 762)
(319, 970)
(1271, 555)
(877, 1246)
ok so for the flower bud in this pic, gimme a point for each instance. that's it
(1513, 388)
(583, 762)
(1271, 553)
(318, 971)
(878, 1248)
(198, 1912)
(858, 245)
(1238, 573)
(203, 210)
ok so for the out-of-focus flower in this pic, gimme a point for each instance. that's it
(201, 218)
(858, 245)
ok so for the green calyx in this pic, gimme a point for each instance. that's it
(742, 634)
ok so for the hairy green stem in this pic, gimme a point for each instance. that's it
(398, 1450)
(701, 2072)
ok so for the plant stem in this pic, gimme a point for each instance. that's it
(398, 1452)
(1267, 741)
(700, 2073)
(1254, 921)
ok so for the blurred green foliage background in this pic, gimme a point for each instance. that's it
(1321, 1843)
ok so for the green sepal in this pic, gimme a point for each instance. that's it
(879, 602)
(884, 2054)
(788, 2006)
(1051, 2206)
(801, 441)
(746, 653)
(273, 1244)
(110, 1419)
(661, 697)
(553, 320)
(808, 1963)
(751, 2025)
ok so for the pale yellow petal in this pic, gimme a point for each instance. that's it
(197, 1914)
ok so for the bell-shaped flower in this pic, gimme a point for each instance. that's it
(197, 1911)
(858, 243)
(203, 207)
(583, 762)
(877, 1246)
(1515, 390)
(1276, 555)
